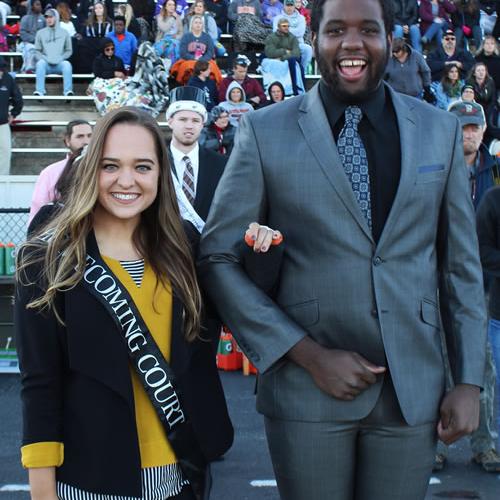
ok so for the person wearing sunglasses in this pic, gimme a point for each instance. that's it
(107, 64)
(448, 53)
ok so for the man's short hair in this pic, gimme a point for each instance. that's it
(120, 18)
(72, 124)
(200, 66)
(387, 15)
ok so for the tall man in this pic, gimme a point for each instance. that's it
(77, 135)
(11, 104)
(370, 191)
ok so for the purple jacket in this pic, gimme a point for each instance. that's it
(446, 7)
(269, 12)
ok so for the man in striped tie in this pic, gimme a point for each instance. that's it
(195, 170)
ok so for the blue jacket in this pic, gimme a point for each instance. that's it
(126, 48)
(483, 175)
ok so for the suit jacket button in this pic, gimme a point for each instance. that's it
(377, 261)
(374, 313)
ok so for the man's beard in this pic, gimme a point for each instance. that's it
(331, 78)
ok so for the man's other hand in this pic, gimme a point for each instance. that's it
(459, 413)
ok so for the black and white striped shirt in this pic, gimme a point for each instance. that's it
(135, 268)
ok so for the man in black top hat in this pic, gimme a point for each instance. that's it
(11, 104)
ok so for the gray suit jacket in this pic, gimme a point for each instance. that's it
(385, 301)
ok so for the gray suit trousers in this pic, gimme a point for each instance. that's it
(377, 458)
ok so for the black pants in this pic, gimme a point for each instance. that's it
(185, 494)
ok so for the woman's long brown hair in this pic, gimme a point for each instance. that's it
(59, 247)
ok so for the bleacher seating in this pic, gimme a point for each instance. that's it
(37, 135)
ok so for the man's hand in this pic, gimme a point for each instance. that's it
(119, 74)
(341, 374)
(10, 119)
(255, 99)
(459, 413)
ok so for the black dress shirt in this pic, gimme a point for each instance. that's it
(379, 132)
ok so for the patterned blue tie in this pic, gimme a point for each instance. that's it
(353, 155)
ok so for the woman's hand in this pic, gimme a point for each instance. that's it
(260, 238)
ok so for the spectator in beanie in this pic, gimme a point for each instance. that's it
(468, 94)
(446, 54)
(218, 133)
(201, 79)
(11, 104)
(489, 54)
(107, 65)
(407, 72)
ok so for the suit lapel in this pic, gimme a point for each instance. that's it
(408, 132)
(317, 133)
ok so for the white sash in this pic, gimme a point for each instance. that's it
(186, 209)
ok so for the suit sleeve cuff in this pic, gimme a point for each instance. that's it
(45, 454)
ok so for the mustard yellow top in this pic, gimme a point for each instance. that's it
(156, 310)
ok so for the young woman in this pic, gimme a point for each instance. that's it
(489, 54)
(195, 45)
(235, 104)
(484, 86)
(218, 134)
(66, 19)
(98, 25)
(276, 93)
(95, 28)
(448, 90)
(107, 305)
(169, 32)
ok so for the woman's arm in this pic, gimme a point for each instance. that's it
(43, 483)
(41, 361)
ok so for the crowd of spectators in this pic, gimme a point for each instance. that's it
(443, 50)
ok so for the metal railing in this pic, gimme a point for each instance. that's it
(13, 225)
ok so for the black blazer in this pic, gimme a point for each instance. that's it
(211, 168)
(76, 389)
